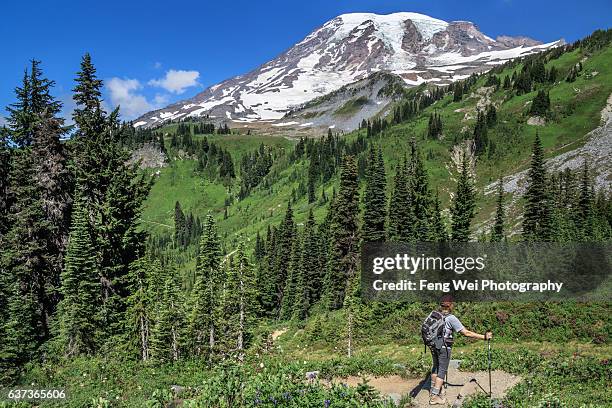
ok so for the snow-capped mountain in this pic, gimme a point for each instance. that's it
(344, 50)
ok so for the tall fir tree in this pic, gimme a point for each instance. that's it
(206, 292)
(87, 96)
(284, 242)
(400, 207)
(145, 284)
(437, 227)
(168, 334)
(344, 239)
(80, 289)
(498, 231)
(292, 290)
(462, 210)
(114, 193)
(240, 302)
(537, 219)
(584, 208)
(420, 196)
(375, 198)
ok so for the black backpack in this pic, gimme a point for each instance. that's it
(432, 329)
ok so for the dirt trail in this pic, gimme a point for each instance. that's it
(459, 383)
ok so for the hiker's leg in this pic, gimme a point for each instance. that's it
(444, 360)
(434, 369)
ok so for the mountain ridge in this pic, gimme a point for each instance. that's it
(345, 50)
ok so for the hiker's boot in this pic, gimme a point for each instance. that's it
(437, 400)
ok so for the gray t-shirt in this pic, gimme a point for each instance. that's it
(451, 325)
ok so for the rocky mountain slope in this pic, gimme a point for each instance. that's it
(346, 49)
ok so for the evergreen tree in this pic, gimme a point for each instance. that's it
(266, 279)
(540, 105)
(168, 333)
(375, 198)
(179, 224)
(537, 219)
(284, 242)
(497, 234)
(312, 268)
(55, 183)
(25, 250)
(291, 285)
(33, 100)
(400, 217)
(344, 240)
(462, 210)
(139, 316)
(205, 295)
(240, 302)
(5, 200)
(584, 208)
(114, 193)
(420, 196)
(80, 289)
(481, 139)
(87, 94)
(437, 229)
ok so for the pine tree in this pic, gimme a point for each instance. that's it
(540, 105)
(21, 118)
(55, 184)
(400, 206)
(205, 295)
(26, 255)
(34, 100)
(114, 193)
(584, 208)
(179, 225)
(291, 289)
(240, 302)
(5, 167)
(374, 213)
(284, 242)
(312, 267)
(481, 139)
(87, 94)
(497, 234)
(80, 288)
(537, 219)
(420, 196)
(462, 210)
(168, 333)
(344, 240)
(437, 229)
(266, 280)
(145, 288)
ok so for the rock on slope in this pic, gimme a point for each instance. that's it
(344, 50)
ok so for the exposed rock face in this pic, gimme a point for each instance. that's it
(149, 156)
(344, 50)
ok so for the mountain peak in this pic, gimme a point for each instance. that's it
(346, 49)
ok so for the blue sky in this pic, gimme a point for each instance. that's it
(151, 53)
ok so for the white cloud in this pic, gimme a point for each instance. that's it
(157, 65)
(161, 99)
(176, 81)
(123, 93)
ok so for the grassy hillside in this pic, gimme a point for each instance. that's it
(575, 110)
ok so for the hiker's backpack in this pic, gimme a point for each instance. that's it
(432, 330)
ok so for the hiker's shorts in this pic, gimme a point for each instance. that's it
(441, 358)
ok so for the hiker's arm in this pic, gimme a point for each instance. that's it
(469, 333)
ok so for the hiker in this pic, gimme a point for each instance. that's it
(438, 330)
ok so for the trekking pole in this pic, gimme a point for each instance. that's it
(489, 345)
